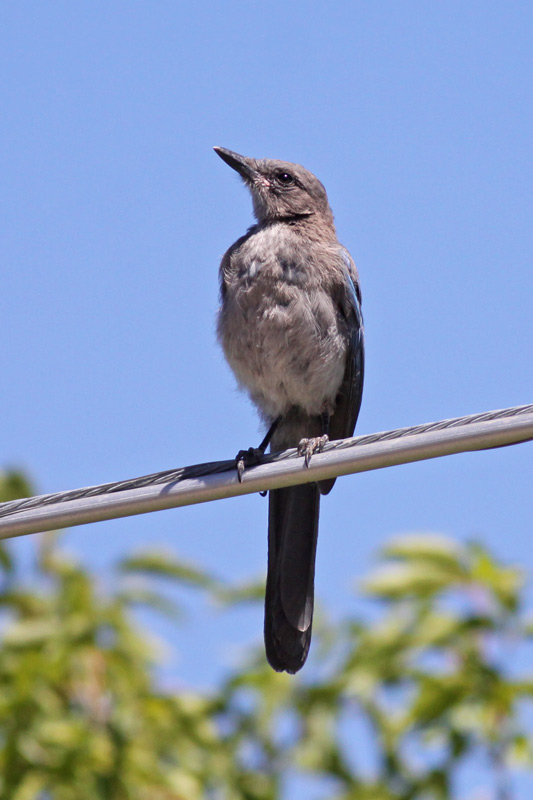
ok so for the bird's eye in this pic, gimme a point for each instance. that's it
(285, 178)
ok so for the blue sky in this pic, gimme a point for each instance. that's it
(115, 212)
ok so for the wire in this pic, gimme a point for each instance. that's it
(218, 479)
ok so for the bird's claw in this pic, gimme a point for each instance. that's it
(247, 458)
(308, 447)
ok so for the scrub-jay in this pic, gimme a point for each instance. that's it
(291, 328)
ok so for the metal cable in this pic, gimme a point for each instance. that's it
(489, 429)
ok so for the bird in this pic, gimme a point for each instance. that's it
(291, 329)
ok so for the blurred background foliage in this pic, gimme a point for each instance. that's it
(395, 704)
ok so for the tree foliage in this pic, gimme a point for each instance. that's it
(393, 706)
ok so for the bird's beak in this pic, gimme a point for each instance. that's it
(246, 167)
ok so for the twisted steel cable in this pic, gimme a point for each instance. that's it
(213, 480)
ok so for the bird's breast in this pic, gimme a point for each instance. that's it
(280, 328)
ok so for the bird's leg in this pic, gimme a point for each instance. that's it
(307, 447)
(253, 456)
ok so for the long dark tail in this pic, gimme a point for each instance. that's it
(292, 536)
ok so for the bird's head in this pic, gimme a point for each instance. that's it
(280, 190)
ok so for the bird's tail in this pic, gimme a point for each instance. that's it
(292, 537)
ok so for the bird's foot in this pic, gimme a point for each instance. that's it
(308, 447)
(248, 458)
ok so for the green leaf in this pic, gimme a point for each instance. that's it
(160, 563)
(504, 582)
(31, 632)
(252, 592)
(14, 485)
(154, 600)
(430, 547)
(394, 581)
(520, 752)
(436, 696)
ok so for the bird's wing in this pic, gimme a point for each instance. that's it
(227, 265)
(348, 403)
